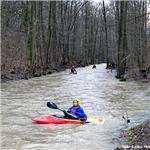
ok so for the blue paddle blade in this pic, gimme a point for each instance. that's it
(52, 105)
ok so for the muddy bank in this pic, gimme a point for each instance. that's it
(30, 72)
(138, 138)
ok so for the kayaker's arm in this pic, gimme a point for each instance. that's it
(68, 115)
(69, 110)
(80, 113)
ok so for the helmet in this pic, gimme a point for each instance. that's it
(78, 100)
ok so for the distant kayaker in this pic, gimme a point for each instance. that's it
(76, 111)
(73, 70)
(94, 66)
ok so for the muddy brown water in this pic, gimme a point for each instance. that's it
(101, 96)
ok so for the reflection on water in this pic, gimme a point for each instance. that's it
(101, 96)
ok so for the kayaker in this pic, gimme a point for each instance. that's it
(73, 70)
(76, 111)
(94, 66)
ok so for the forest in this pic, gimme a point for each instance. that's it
(79, 50)
(41, 37)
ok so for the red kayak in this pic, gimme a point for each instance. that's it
(53, 119)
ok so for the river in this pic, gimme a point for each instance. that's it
(101, 94)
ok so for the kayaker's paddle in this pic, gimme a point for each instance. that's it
(53, 106)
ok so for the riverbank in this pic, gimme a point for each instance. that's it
(138, 138)
(26, 72)
(30, 72)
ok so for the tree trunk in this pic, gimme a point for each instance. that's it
(106, 35)
(122, 42)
